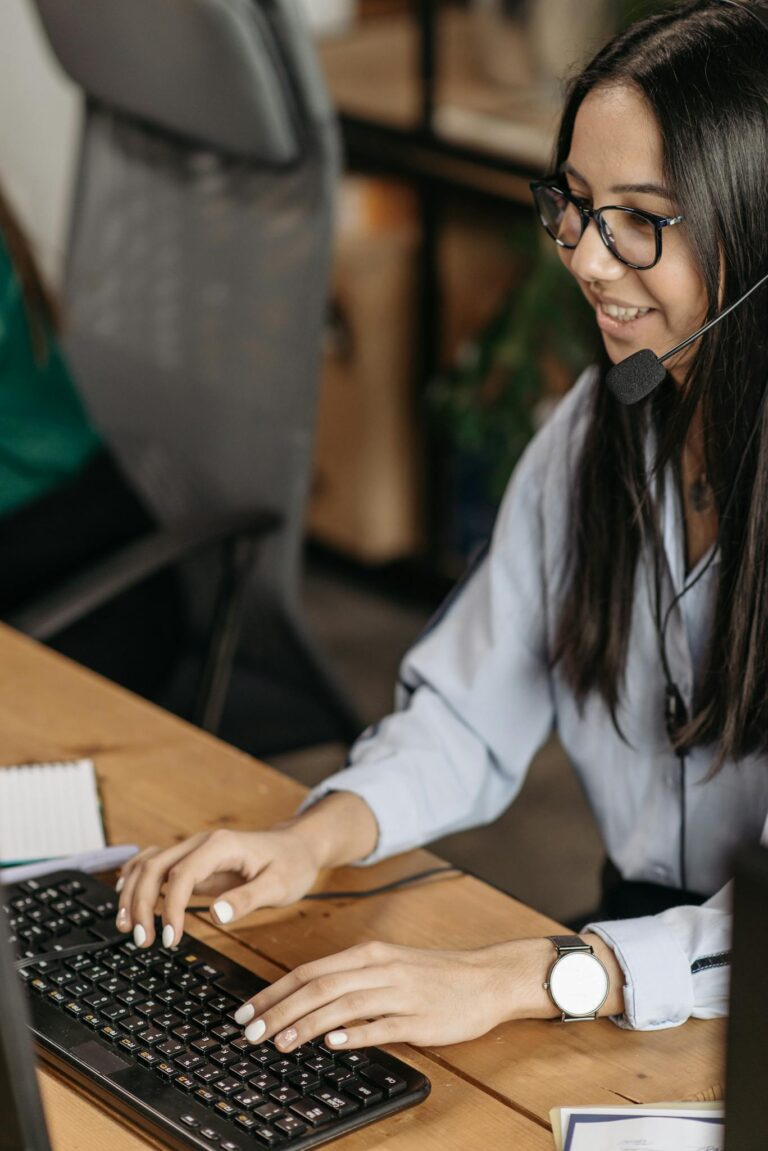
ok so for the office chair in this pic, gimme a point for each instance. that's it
(194, 296)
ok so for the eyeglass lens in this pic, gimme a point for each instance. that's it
(629, 236)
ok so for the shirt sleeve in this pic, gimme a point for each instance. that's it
(475, 698)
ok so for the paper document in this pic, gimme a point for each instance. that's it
(49, 810)
(627, 1129)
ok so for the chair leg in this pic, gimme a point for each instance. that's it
(325, 682)
(239, 557)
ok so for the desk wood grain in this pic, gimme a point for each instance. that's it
(161, 780)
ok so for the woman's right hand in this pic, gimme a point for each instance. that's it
(241, 871)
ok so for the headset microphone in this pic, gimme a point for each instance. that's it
(633, 379)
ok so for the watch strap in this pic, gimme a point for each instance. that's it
(566, 943)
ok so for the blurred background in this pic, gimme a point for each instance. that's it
(440, 335)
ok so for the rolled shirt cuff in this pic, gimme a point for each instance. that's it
(390, 800)
(658, 988)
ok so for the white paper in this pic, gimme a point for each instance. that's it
(613, 1130)
(49, 810)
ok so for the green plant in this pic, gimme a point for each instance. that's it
(489, 403)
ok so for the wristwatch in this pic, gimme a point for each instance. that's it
(577, 982)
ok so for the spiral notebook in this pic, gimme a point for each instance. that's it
(49, 810)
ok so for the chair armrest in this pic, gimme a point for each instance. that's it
(51, 613)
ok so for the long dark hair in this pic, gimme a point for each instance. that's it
(702, 67)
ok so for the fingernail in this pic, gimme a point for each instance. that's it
(122, 919)
(168, 935)
(336, 1038)
(287, 1037)
(254, 1032)
(223, 911)
(120, 884)
(244, 1013)
(139, 935)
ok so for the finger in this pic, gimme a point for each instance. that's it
(193, 873)
(144, 888)
(365, 955)
(130, 865)
(392, 1029)
(318, 994)
(267, 889)
(331, 1018)
(124, 919)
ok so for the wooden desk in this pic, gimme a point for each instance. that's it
(162, 779)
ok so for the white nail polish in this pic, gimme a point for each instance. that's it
(336, 1038)
(120, 884)
(244, 1013)
(168, 935)
(139, 935)
(223, 911)
(254, 1031)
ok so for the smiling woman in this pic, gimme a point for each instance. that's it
(609, 575)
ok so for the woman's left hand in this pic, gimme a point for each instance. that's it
(409, 996)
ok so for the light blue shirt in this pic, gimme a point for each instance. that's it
(476, 699)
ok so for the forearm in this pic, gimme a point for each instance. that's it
(338, 829)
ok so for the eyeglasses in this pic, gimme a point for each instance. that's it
(629, 234)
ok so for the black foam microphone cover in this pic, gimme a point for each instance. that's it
(633, 379)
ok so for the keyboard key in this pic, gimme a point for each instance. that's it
(184, 1083)
(132, 1024)
(188, 1061)
(263, 1082)
(228, 1145)
(147, 1057)
(389, 1083)
(227, 1086)
(129, 1044)
(165, 1069)
(226, 1031)
(209, 1134)
(167, 1020)
(312, 1112)
(269, 1112)
(170, 1048)
(267, 1135)
(240, 1070)
(305, 1080)
(291, 1126)
(189, 1121)
(205, 1045)
(92, 1020)
(337, 1102)
(364, 1093)
(224, 1107)
(338, 1076)
(248, 1099)
(319, 1063)
(110, 1033)
(224, 1056)
(355, 1059)
(186, 1032)
(284, 1095)
(151, 1035)
(283, 1067)
(205, 1095)
(245, 1121)
(208, 1073)
(149, 1007)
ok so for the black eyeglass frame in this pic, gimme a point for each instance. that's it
(553, 183)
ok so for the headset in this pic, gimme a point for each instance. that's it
(631, 380)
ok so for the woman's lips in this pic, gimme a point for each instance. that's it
(614, 327)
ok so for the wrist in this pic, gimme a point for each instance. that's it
(337, 830)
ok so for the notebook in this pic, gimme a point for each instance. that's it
(48, 810)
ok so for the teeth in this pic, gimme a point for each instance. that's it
(623, 314)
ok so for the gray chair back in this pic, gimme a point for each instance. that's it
(199, 251)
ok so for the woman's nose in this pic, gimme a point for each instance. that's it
(591, 260)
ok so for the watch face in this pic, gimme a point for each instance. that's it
(578, 983)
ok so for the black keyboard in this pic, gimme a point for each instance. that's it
(151, 1033)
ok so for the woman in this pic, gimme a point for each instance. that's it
(577, 616)
(64, 504)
